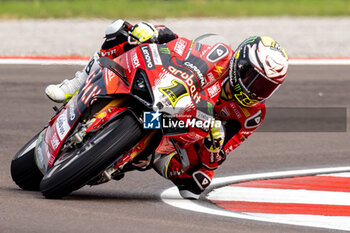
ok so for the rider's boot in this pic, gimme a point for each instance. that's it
(64, 91)
(190, 186)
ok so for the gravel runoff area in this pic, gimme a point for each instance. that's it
(301, 37)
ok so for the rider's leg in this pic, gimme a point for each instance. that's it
(191, 183)
(65, 90)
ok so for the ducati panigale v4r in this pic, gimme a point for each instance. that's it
(154, 99)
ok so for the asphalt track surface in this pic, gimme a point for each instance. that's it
(133, 204)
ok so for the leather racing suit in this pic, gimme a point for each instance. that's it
(238, 122)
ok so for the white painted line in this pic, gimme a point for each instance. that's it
(341, 174)
(279, 196)
(53, 61)
(332, 222)
(41, 62)
(319, 62)
(304, 172)
(172, 197)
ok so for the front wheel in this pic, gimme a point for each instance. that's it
(24, 171)
(76, 168)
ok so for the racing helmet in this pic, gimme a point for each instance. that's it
(257, 69)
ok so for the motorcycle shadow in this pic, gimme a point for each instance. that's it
(115, 195)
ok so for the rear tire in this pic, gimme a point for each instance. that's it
(93, 157)
(24, 171)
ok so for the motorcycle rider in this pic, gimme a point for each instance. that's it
(254, 72)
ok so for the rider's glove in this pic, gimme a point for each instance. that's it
(220, 157)
(214, 140)
(211, 154)
(143, 32)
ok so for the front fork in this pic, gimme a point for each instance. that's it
(116, 170)
(108, 113)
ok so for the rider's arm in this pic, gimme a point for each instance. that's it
(237, 131)
(220, 142)
(210, 153)
(118, 39)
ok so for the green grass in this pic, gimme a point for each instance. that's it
(18, 9)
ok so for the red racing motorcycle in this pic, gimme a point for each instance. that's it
(154, 99)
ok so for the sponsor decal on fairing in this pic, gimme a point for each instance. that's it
(71, 112)
(214, 90)
(197, 71)
(62, 126)
(146, 53)
(180, 46)
(155, 53)
(189, 81)
(54, 141)
(135, 60)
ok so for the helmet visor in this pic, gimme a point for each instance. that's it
(256, 83)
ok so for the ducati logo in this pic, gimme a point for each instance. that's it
(220, 52)
(217, 53)
(257, 120)
(205, 182)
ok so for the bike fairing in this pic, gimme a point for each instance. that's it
(185, 58)
(196, 68)
(200, 99)
(186, 63)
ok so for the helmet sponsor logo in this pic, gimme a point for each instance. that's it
(244, 99)
(269, 42)
(274, 58)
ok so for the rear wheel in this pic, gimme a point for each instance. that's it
(24, 171)
(75, 168)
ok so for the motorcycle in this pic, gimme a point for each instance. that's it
(152, 100)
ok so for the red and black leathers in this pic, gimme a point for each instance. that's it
(207, 63)
(210, 63)
(117, 44)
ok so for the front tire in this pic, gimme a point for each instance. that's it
(93, 157)
(24, 171)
